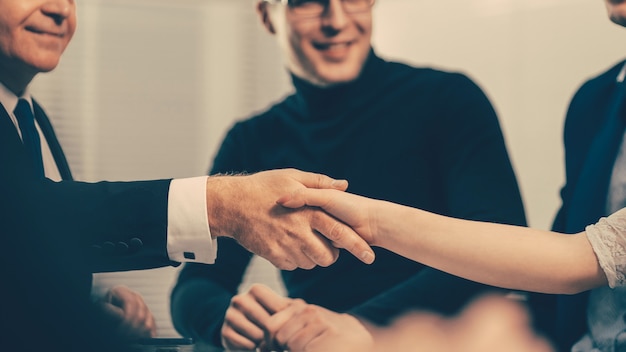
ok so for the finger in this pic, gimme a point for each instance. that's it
(250, 308)
(134, 330)
(268, 299)
(123, 327)
(305, 338)
(129, 301)
(231, 339)
(314, 180)
(308, 196)
(306, 248)
(136, 312)
(119, 296)
(301, 325)
(303, 261)
(278, 321)
(237, 327)
(144, 321)
(321, 251)
(343, 236)
(112, 311)
(314, 248)
(152, 326)
(290, 256)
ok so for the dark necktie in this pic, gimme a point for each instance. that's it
(30, 136)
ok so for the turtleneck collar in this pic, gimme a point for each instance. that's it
(315, 101)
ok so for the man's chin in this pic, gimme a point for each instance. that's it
(618, 19)
(616, 10)
(338, 77)
(42, 66)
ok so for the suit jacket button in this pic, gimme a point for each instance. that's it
(121, 247)
(135, 244)
(108, 247)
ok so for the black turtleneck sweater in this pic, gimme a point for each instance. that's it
(414, 136)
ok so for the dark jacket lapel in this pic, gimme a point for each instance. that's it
(53, 142)
(8, 132)
(589, 199)
(12, 150)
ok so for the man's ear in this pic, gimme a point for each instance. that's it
(262, 9)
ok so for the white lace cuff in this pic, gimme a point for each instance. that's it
(608, 239)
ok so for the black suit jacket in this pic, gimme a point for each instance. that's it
(56, 234)
(594, 116)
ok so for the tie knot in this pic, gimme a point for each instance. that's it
(23, 111)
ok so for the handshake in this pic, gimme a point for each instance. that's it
(262, 213)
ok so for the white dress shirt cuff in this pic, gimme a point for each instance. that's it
(188, 233)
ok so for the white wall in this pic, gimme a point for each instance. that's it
(528, 55)
(148, 87)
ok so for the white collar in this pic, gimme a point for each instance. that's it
(622, 74)
(9, 99)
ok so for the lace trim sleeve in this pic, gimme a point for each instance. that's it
(608, 239)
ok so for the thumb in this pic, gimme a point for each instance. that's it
(307, 196)
(313, 180)
(270, 300)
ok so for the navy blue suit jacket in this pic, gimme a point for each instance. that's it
(594, 118)
(56, 234)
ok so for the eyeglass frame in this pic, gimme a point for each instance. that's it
(286, 3)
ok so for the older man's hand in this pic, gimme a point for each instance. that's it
(244, 207)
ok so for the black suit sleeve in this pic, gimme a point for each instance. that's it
(109, 226)
(479, 184)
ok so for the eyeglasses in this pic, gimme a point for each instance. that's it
(316, 8)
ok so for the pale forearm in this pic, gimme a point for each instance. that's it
(499, 255)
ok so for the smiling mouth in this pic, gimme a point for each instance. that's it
(44, 32)
(331, 46)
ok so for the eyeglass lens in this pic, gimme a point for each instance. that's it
(313, 8)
